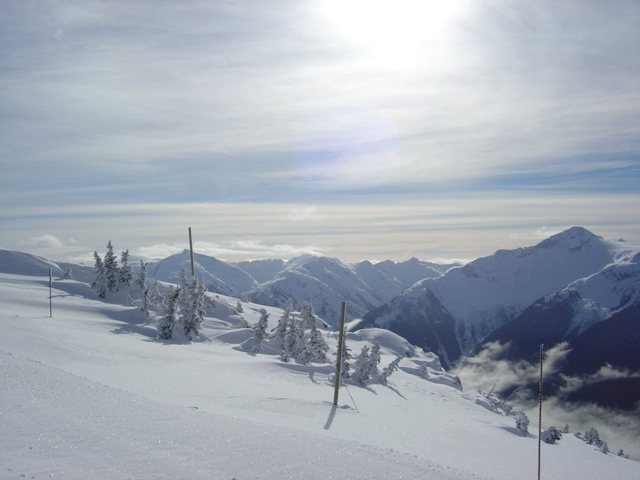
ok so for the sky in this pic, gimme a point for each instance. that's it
(353, 129)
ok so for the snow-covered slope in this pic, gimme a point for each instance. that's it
(92, 393)
(471, 302)
(218, 276)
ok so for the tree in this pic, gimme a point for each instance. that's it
(591, 437)
(551, 436)
(346, 356)
(293, 340)
(67, 273)
(280, 331)
(363, 367)
(239, 308)
(145, 304)
(522, 422)
(424, 371)
(193, 312)
(387, 371)
(111, 270)
(260, 330)
(100, 283)
(141, 278)
(125, 274)
(315, 347)
(168, 321)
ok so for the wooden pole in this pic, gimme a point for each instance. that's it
(50, 296)
(339, 361)
(193, 272)
(540, 411)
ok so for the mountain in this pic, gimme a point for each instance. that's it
(324, 282)
(218, 276)
(388, 279)
(454, 313)
(262, 270)
(19, 263)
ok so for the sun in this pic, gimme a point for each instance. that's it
(393, 32)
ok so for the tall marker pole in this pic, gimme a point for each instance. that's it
(50, 296)
(540, 410)
(339, 361)
(193, 273)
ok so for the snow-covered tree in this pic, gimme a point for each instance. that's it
(566, 428)
(239, 308)
(592, 438)
(307, 316)
(145, 304)
(125, 274)
(170, 307)
(522, 422)
(260, 330)
(193, 312)
(280, 331)
(155, 297)
(346, 356)
(141, 277)
(111, 270)
(315, 347)
(293, 340)
(424, 371)
(551, 436)
(100, 282)
(387, 371)
(67, 273)
(364, 367)
(129, 302)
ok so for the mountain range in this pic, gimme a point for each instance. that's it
(573, 287)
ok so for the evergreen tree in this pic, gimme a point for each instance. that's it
(100, 283)
(346, 356)
(424, 370)
(67, 273)
(522, 422)
(168, 321)
(551, 436)
(141, 278)
(145, 304)
(193, 312)
(293, 340)
(125, 274)
(280, 332)
(387, 371)
(307, 317)
(111, 270)
(363, 367)
(315, 347)
(155, 297)
(239, 308)
(260, 330)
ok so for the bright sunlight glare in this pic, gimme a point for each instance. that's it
(394, 32)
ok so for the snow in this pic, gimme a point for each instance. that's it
(92, 393)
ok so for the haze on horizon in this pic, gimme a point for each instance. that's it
(359, 130)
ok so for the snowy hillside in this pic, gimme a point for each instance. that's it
(94, 393)
(473, 301)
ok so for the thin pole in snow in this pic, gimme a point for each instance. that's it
(50, 296)
(540, 410)
(339, 361)
(193, 273)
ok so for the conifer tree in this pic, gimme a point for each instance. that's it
(346, 356)
(193, 312)
(111, 270)
(125, 274)
(67, 273)
(100, 282)
(260, 330)
(145, 304)
(387, 371)
(141, 277)
(168, 321)
(363, 367)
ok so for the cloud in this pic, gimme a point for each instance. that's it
(43, 241)
(229, 251)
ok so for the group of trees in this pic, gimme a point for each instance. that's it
(299, 338)
(111, 277)
(182, 304)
